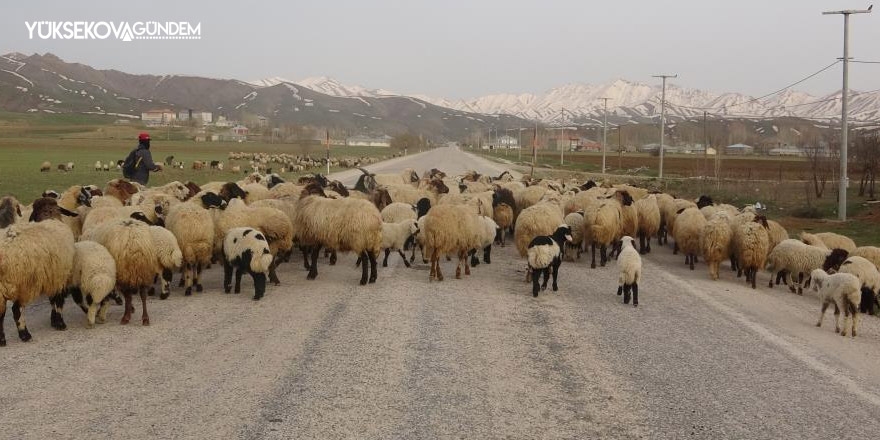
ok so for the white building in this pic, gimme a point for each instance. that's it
(196, 115)
(369, 141)
(159, 116)
(508, 142)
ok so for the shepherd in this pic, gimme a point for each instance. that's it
(139, 163)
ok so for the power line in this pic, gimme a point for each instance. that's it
(864, 62)
(763, 96)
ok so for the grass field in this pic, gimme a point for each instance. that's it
(27, 140)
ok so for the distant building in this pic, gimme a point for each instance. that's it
(368, 141)
(739, 149)
(159, 116)
(240, 130)
(262, 122)
(195, 115)
(787, 150)
(508, 142)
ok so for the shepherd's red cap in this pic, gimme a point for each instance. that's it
(144, 136)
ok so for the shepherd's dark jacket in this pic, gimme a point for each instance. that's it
(143, 161)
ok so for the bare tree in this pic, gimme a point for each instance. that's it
(867, 155)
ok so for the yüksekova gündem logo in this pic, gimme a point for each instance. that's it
(108, 30)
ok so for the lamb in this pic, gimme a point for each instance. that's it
(715, 242)
(689, 226)
(247, 251)
(843, 290)
(487, 230)
(274, 224)
(395, 236)
(37, 259)
(868, 276)
(450, 229)
(340, 224)
(45, 167)
(92, 279)
(649, 221)
(575, 221)
(536, 220)
(169, 257)
(545, 255)
(133, 249)
(752, 246)
(629, 263)
(829, 240)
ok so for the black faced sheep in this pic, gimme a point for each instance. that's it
(629, 263)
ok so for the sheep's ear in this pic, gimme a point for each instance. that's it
(67, 213)
(18, 210)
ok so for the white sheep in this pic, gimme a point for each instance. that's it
(843, 290)
(545, 256)
(193, 227)
(245, 250)
(395, 236)
(829, 240)
(792, 258)
(752, 246)
(689, 224)
(488, 229)
(398, 212)
(649, 221)
(450, 229)
(629, 264)
(715, 242)
(92, 280)
(169, 258)
(868, 275)
(575, 220)
(870, 253)
(37, 259)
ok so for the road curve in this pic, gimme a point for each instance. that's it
(470, 358)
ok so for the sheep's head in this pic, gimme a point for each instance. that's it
(413, 176)
(339, 188)
(178, 190)
(48, 209)
(50, 193)
(381, 198)
(423, 206)
(624, 198)
(817, 279)
(313, 189)
(121, 189)
(10, 209)
(231, 190)
(562, 234)
(191, 190)
(834, 260)
(588, 184)
(438, 186)
(704, 201)
(273, 180)
(93, 190)
(211, 200)
(627, 241)
(140, 216)
(760, 219)
(84, 197)
(435, 173)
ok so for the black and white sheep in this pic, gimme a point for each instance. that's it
(245, 250)
(545, 255)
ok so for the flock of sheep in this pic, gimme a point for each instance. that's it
(94, 244)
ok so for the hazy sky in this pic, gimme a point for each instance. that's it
(459, 49)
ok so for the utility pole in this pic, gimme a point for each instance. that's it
(328, 152)
(520, 146)
(534, 151)
(844, 179)
(619, 147)
(705, 147)
(604, 133)
(561, 136)
(663, 117)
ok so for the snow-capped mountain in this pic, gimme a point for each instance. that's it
(327, 86)
(632, 100)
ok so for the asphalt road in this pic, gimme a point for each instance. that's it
(471, 358)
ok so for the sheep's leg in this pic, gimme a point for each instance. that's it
(457, 266)
(332, 258)
(635, 293)
(188, 276)
(626, 293)
(822, 313)
(374, 264)
(593, 254)
(90, 314)
(436, 259)
(474, 260)
(836, 317)
(57, 319)
(487, 254)
(313, 270)
(306, 251)
(556, 274)
(273, 276)
(412, 256)
(535, 283)
(364, 267)
(503, 242)
(102, 312)
(145, 318)
(238, 274)
(77, 297)
(403, 256)
(357, 263)
(545, 273)
(227, 277)
(385, 260)
(183, 271)
(259, 285)
(754, 277)
(641, 242)
(693, 260)
(2, 321)
(675, 248)
(619, 289)
(855, 318)
(463, 257)
(800, 286)
(196, 279)
(603, 253)
(166, 284)
(18, 317)
(733, 262)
